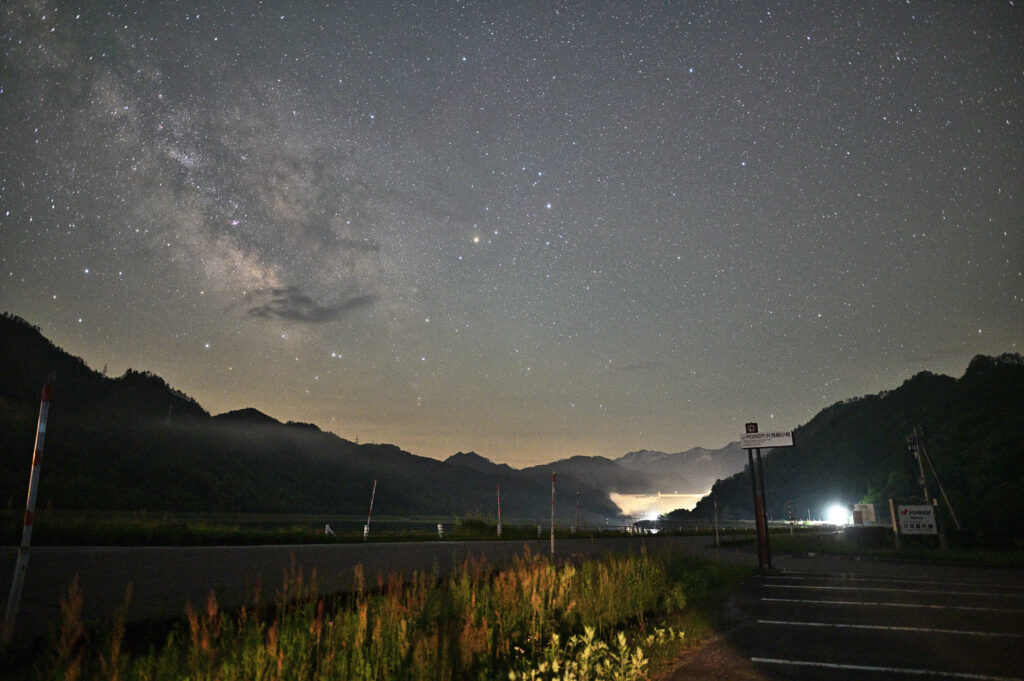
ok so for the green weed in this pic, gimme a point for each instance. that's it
(535, 619)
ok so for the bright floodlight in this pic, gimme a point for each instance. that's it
(837, 514)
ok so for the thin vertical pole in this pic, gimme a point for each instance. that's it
(499, 511)
(576, 521)
(764, 511)
(366, 530)
(942, 490)
(757, 505)
(918, 446)
(553, 514)
(715, 499)
(920, 466)
(21, 567)
(895, 523)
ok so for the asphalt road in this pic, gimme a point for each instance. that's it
(839, 619)
(812, 618)
(164, 579)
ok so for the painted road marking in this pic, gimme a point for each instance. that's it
(890, 670)
(918, 582)
(893, 605)
(899, 590)
(890, 628)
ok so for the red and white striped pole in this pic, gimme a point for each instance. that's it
(499, 511)
(18, 582)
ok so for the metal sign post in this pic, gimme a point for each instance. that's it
(767, 549)
(757, 509)
(753, 440)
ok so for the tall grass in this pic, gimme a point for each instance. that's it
(534, 619)
(140, 528)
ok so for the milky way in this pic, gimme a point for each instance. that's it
(529, 230)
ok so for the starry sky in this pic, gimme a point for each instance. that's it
(532, 230)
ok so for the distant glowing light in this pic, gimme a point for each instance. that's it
(837, 514)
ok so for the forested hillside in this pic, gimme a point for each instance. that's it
(133, 442)
(856, 450)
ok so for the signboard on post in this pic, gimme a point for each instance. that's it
(863, 514)
(917, 519)
(753, 440)
(782, 438)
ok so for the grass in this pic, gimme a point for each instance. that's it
(535, 619)
(139, 528)
(880, 546)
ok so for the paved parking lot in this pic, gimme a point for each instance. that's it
(846, 619)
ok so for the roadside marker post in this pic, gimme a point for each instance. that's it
(366, 528)
(21, 567)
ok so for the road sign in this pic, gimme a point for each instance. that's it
(767, 440)
(917, 519)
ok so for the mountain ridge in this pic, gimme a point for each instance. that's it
(135, 443)
(855, 451)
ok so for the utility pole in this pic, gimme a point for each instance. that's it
(715, 499)
(499, 511)
(942, 490)
(915, 446)
(553, 514)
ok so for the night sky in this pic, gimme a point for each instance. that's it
(532, 230)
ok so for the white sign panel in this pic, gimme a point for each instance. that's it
(767, 440)
(917, 519)
(867, 513)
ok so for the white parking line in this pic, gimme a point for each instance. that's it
(847, 578)
(887, 588)
(892, 605)
(890, 670)
(889, 628)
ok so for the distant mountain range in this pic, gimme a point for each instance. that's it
(694, 470)
(133, 443)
